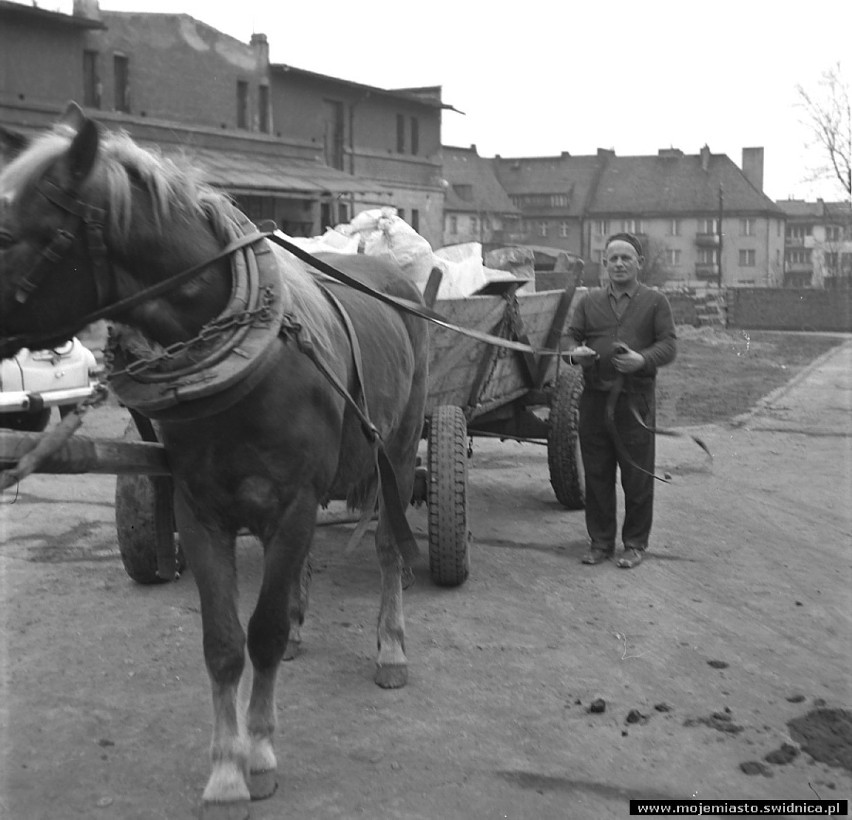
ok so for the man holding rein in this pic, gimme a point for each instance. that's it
(626, 332)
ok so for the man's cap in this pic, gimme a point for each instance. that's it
(625, 237)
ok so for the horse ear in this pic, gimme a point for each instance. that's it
(73, 116)
(83, 150)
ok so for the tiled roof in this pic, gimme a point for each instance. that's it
(800, 208)
(678, 184)
(606, 184)
(464, 167)
(567, 175)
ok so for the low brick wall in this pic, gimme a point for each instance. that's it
(790, 309)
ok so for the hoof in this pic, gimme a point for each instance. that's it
(233, 810)
(263, 784)
(392, 675)
(292, 651)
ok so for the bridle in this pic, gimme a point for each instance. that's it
(76, 213)
(79, 213)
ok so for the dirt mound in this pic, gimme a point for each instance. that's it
(826, 735)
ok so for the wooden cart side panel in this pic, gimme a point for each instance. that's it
(455, 359)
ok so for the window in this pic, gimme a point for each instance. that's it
(672, 257)
(92, 86)
(631, 225)
(474, 226)
(708, 256)
(602, 227)
(747, 258)
(708, 226)
(747, 227)
(454, 224)
(564, 229)
(799, 257)
(674, 227)
(242, 104)
(415, 135)
(832, 233)
(831, 260)
(400, 212)
(798, 231)
(559, 201)
(400, 134)
(542, 229)
(263, 108)
(415, 219)
(121, 69)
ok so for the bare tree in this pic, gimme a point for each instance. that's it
(828, 113)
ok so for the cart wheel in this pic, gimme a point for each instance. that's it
(449, 556)
(563, 440)
(144, 515)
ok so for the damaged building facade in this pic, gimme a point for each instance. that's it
(306, 150)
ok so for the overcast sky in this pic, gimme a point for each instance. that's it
(539, 77)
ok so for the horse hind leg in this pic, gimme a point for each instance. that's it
(391, 664)
(299, 594)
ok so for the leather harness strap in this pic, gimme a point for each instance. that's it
(389, 486)
(622, 385)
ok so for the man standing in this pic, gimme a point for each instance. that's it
(627, 331)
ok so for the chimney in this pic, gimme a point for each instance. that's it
(753, 166)
(670, 153)
(261, 49)
(86, 8)
(705, 157)
(473, 148)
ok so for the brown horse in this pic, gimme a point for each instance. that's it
(241, 365)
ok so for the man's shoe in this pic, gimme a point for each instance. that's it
(597, 555)
(632, 558)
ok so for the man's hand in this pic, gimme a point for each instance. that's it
(626, 360)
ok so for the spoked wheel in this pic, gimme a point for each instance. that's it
(144, 522)
(563, 441)
(449, 539)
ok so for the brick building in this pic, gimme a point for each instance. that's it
(302, 149)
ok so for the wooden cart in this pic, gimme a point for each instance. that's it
(477, 389)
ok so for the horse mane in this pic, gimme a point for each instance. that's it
(121, 162)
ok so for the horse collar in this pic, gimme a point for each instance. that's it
(215, 369)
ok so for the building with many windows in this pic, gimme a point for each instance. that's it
(476, 207)
(702, 220)
(817, 243)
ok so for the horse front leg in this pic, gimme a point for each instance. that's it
(391, 664)
(210, 555)
(269, 632)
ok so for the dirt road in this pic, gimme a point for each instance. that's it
(737, 624)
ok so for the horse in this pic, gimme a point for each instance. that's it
(273, 389)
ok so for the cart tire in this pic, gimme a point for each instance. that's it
(142, 517)
(449, 539)
(563, 440)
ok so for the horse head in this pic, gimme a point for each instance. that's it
(48, 200)
(69, 248)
